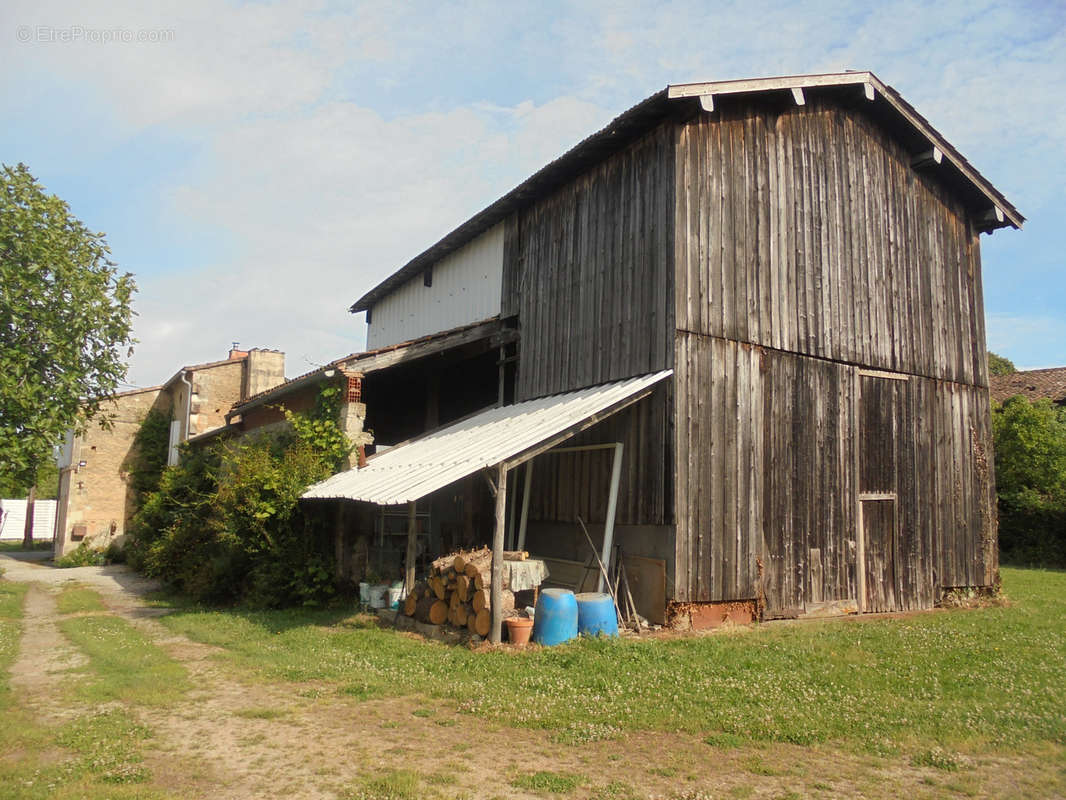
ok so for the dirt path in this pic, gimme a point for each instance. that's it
(44, 657)
(235, 737)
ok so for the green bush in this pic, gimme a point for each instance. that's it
(83, 556)
(226, 523)
(1030, 443)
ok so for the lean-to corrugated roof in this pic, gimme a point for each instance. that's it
(410, 471)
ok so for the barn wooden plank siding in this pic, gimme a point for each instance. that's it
(809, 267)
(808, 247)
(589, 272)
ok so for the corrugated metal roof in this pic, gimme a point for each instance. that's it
(411, 471)
(678, 99)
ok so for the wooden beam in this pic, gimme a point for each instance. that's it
(707, 102)
(797, 95)
(993, 215)
(412, 547)
(869, 91)
(493, 489)
(767, 84)
(928, 159)
(496, 631)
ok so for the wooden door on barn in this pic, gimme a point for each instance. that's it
(881, 398)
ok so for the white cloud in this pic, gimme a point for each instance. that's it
(319, 156)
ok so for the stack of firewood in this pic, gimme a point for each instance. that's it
(457, 591)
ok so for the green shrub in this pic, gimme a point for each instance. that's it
(83, 556)
(226, 523)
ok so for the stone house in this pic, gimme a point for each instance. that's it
(95, 500)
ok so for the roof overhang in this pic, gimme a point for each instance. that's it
(505, 435)
(882, 103)
(889, 108)
(361, 364)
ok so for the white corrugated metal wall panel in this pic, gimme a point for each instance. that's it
(466, 288)
(412, 471)
(13, 519)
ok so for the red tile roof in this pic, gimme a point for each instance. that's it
(1033, 383)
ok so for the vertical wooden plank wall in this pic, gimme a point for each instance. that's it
(808, 231)
(808, 247)
(568, 485)
(589, 273)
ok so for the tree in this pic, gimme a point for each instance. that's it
(1030, 446)
(998, 365)
(65, 325)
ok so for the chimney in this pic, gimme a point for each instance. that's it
(235, 352)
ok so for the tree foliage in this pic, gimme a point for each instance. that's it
(65, 323)
(1030, 444)
(998, 365)
(226, 523)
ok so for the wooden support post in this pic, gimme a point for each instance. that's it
(496, 631)
(412, 547)
(525, 505)
(612, 506)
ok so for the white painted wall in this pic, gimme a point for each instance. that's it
(466, 288)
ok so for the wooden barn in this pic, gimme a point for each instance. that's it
(741, 332)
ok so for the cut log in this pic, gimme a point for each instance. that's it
(462, 587)
(515, 555)
(437, 584)
(410, 604)
(482, 600)
(438, 612)
(423, 607)
(462, 614)
(471, 623)
(482, 622)
(453, 601)
(459, 563)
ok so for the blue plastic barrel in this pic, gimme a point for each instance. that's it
(555, 619)
(596, 614)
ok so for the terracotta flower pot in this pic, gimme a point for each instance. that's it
(519, 630)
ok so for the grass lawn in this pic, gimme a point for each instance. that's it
(76, 599)
(16, 546)
(976, 680)
(124, 663)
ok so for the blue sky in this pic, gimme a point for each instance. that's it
(266, 163)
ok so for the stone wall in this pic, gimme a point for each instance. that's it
(95, 500)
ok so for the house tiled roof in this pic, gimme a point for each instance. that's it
(1033, 383)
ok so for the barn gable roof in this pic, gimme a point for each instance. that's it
(884, 104)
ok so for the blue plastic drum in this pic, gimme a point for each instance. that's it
(596, 614)
(555, 620)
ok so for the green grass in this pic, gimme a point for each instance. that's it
(982, 679)
(95, 756)
(549, 782)
(11, 595)
(261, 713)
(75, 599)
(124, 664)
(16, 547)
(402, 784)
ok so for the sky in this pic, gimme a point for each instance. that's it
(259, 165)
